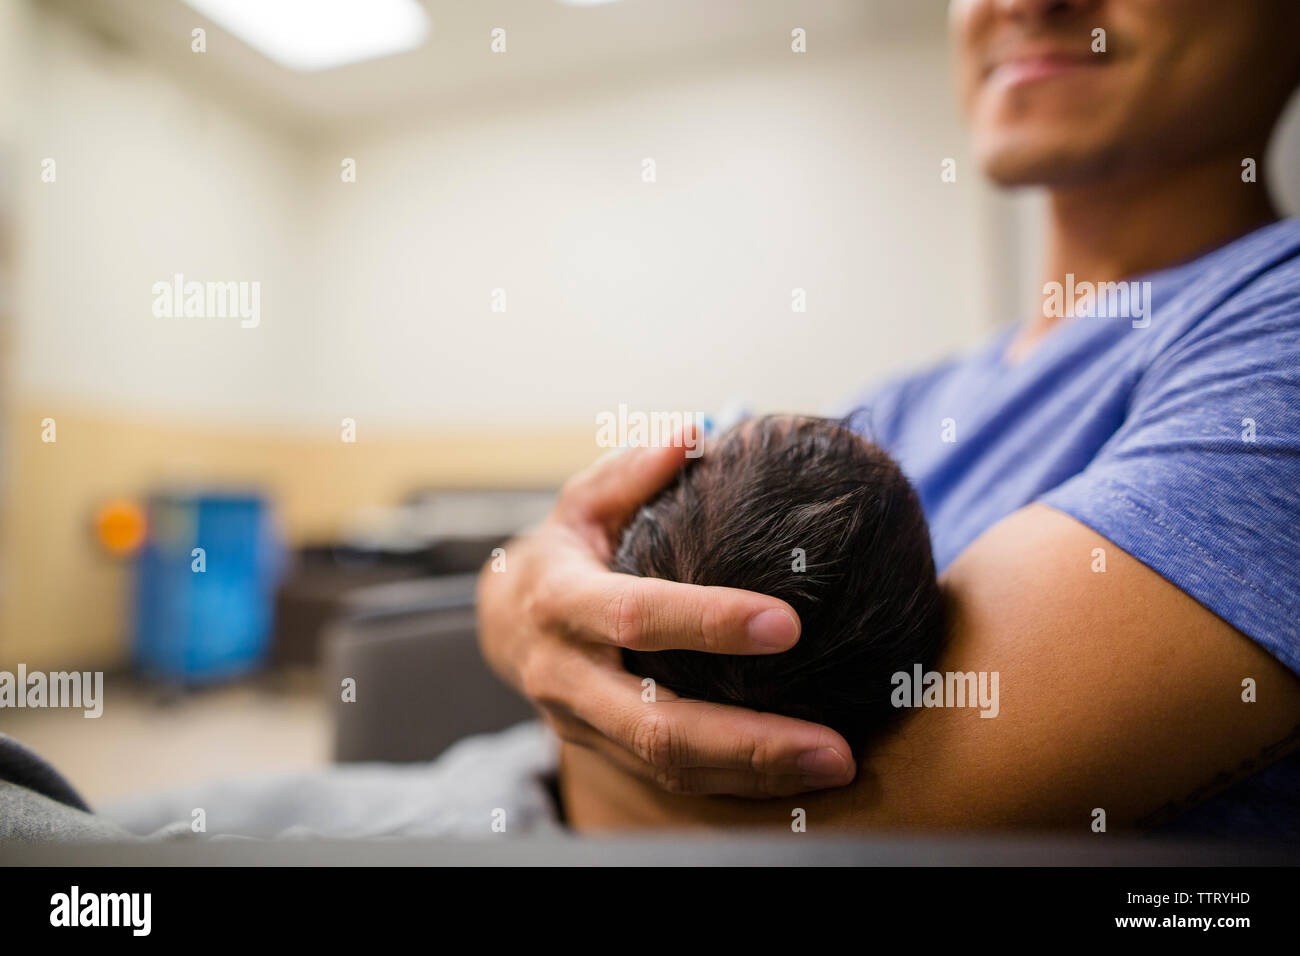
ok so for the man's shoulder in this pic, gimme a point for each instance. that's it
(1235, 307)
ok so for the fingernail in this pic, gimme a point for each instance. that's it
(773, 628)
(823, 763)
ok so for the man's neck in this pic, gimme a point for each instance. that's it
(1119, 228)
(1125, 226)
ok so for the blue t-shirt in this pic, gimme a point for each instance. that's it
(1172, 430)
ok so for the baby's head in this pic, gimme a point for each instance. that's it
(806, 510)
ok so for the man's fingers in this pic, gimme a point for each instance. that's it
(647, 614)
(672, 734)
(690, 734)
(701, 781)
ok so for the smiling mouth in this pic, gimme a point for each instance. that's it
(1022, 69)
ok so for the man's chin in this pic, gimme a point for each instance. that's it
(1033, 162)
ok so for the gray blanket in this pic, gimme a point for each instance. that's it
(482, 787)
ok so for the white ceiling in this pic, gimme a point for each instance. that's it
(550, 45)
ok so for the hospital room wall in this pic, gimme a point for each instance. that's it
(377, 295)
(789, 174)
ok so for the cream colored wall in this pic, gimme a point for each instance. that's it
(152, 180)
(774, 173)
(815, 173)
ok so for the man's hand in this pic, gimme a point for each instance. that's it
(553, 622)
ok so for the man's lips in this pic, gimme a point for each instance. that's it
(1030, 67)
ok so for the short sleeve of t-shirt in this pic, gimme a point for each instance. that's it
(1201, 481)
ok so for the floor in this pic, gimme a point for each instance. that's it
(150, 739)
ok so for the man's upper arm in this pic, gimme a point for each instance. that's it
(1116, 691)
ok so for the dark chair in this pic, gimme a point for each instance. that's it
(421, 684)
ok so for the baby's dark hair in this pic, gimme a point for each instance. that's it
(806, 510)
